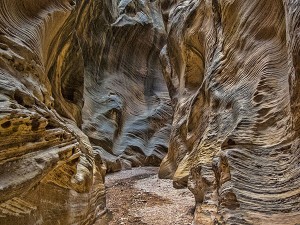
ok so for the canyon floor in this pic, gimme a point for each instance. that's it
(138, 197)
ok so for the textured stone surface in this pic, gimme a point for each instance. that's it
(127, 109)
(232, 71)
(81, 82)
(68, 66)
(48, 173)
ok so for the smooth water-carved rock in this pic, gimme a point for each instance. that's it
(127, 109)
(67, 66)
(48, 174)
(231, 69)
(81, 82)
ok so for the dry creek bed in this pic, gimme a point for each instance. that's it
(138, 197)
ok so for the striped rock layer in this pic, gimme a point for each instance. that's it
(48, 171)
(81, 93)
(93, 86)
(127, 112)
(232, 69)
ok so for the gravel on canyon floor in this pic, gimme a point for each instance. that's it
(138, 197)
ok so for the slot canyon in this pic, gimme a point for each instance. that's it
(158, 112)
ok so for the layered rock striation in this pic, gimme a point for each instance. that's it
(49, 174)
(127, 112)
(231, 69)
(80, 83)
(88, 87)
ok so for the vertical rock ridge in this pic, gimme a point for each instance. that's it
(237, 148)
(48, 171)
(127, 109)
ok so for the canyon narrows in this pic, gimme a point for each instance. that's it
(205, 89)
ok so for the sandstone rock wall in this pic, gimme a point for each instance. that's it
(48, 172)
(232, 71)
(127, 111)
(81, 81)
(68, 66)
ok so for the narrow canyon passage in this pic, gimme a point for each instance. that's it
(208, 90)
(138, 197)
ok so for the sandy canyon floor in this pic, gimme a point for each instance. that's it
(138, 197)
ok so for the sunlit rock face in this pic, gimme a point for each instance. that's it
(48, 172)
(232, 69)
(127, 111)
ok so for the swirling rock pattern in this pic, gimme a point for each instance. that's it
(127, 111)
(48, 172)
(68, 66)
(232, 71)
(82, 92)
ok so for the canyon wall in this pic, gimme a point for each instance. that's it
(49, 174)
(127, 111)
(82, 94)
(89, 87)
(232, 71)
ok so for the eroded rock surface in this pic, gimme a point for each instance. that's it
(68, 66)
(127, 110)
(94, 86)
(232, 71)
(48, 172)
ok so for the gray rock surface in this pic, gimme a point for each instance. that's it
(127, 108)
